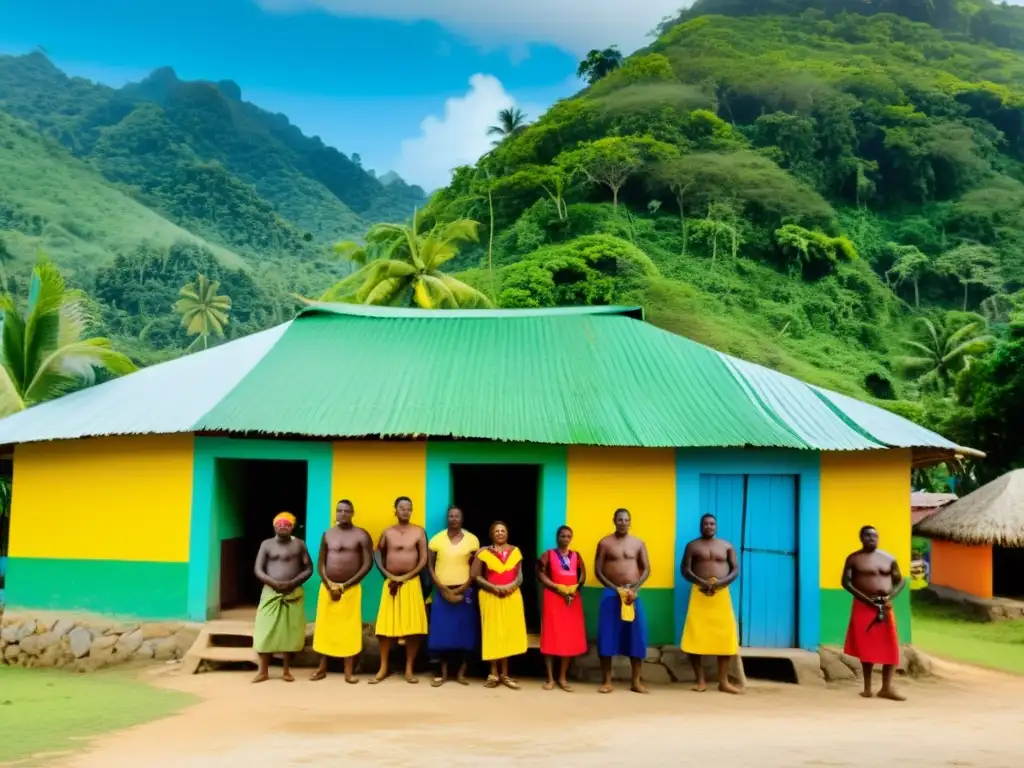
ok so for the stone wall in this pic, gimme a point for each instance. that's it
(83, 644)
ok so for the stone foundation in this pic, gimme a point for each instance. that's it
(836, 666)
(84, 644)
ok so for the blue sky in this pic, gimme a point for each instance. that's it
(410, 85)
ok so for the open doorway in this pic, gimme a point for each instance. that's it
(509, 492)
(1008, 572)
(248, 493)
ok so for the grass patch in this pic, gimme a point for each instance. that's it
(948, 631)
(49, 711)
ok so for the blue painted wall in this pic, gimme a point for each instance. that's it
(717, 481)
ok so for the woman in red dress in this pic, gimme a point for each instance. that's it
(562, 630)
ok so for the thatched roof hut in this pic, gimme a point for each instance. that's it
(993, 515)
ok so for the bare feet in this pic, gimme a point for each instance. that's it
(287, 677)
(351, 679)
(549, 686)
(891, 695)
(565, 686)
(606, 688)
(318, 675)
(700, 687)
(867, 694)
(508, 682)
(411, 679)
(461, 680)
(379, 676)
(262, 677)
(726, 687)
(437, 682)
(638, 688)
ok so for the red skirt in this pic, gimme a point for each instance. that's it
(562, 630)
(869, 640)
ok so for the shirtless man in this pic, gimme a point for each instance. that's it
(873, 578)
(710, 564)
(401, 555)
(283, 565)
(622, 566)
(346, 556)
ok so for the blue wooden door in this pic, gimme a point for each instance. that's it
(768, 563)
(723, 496)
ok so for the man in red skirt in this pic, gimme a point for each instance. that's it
(873, 578)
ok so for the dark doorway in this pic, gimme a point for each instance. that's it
(247, 496)
(509, 492)
(1008, 572)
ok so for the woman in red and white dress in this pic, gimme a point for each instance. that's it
(562, 629)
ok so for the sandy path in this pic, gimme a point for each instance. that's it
(969, 718)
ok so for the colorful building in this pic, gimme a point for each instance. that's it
(147, 495)
(977, 542)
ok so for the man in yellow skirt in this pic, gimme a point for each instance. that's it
(346, 556)
(710, 565)
(401, 556)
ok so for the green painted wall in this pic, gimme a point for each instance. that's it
(143, 590)
(835, 615)
(658, 610)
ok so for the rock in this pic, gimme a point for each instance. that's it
(45, 625)
(102, 643)
(36, 644)
(678, 666)
(165, 649)
(122, 629)
(656, 674)
(61, 627)
(97, 626)
(9, 634)
(145, 651)
(832, 666)
(622, 669)
(79, 641)
(653, 655)
(50, 656)
(129, 643)
(159, 631)
(184, 639)
(18, 632)
(918, 664)
(11, 652)
(853, 664)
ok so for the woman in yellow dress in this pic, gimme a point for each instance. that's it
(498, 571)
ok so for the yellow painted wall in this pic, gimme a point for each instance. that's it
(108, 498)
(373, 474)
(600, 480)
(863, 488)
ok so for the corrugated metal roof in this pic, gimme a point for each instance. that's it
(800, 408)
(162, 399)
(882, 425)
(566, 378)
(586, 375)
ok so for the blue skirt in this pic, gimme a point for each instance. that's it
(616, 637)
(454, 626)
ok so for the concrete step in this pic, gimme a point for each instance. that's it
(207, 647)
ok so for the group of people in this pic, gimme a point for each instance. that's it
(477, 604)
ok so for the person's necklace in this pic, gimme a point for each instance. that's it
(563, 559)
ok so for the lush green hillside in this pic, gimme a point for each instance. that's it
(192, 150)
(791, 171)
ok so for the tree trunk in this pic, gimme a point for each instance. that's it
(490, 239)
(966, 286)
(682, 218)
(615, 198)
(917, 295)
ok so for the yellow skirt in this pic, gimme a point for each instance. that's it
(503, 625)
(710, 625)
(403, 614)
(339, 625)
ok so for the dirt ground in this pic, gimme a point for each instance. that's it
(969, 717)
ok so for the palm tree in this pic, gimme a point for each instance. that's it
(945, 350)
(510, 121)
(599, 64)
(400, 266)
(43, 353)
(202, 310)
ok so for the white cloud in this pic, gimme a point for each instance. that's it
(575, 25)
(457, 138)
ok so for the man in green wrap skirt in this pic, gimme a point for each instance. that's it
(283, 565)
